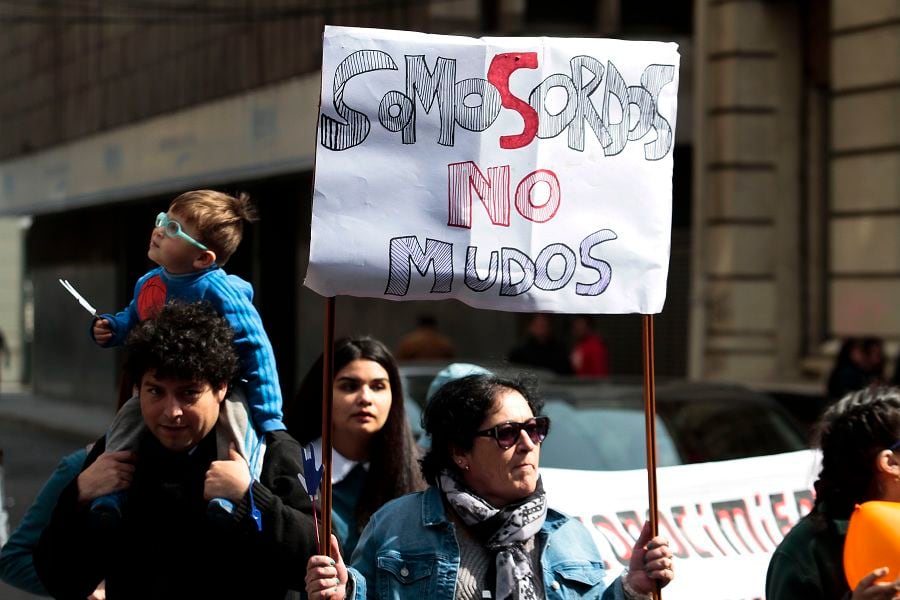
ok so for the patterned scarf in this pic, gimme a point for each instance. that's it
(503, 531)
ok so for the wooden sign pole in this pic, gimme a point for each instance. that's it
(327, 396)
(650, 426)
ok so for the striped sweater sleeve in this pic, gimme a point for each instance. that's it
(253, 346)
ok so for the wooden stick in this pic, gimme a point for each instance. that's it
(327, 397)
(650, 426)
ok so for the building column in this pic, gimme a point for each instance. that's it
(863, 278)
(746, 264)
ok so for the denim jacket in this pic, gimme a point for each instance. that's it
(409, 551)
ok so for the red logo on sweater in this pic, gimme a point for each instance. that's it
(151, 298)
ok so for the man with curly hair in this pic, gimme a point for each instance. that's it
(164, 546)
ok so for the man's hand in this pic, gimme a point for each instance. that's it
(102, 331)
(111, 472)
(227, 479)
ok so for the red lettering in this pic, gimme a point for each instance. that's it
(679, 513)
(539, 213)
(462, 178)
(502, 66)
(785, 523)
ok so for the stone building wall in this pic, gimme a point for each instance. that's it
(797, 184)
(864, 208)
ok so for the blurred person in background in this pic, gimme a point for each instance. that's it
(483, 528)
(590, 357)
(17, 555)
(849, 371)
(541, 348)
(424, 342)
(874, 360)
(860, 441)
(5, 355)
(374, 457)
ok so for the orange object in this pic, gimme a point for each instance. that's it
(873, 541)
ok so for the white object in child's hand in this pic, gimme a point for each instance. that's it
(87, 305)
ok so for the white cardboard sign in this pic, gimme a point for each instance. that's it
(515, 174)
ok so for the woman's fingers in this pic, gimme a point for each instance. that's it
(326, 576)
(313, 574)
(659, 564)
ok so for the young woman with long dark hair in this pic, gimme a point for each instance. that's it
(374, 457)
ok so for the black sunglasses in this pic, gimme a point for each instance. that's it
(507, 434)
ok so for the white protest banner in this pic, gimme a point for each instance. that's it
(723, 519)
(515, 174)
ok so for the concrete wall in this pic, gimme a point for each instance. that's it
(11, 296)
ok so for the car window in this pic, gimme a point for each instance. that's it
(602, 439)
(414, 417)
(722, 430)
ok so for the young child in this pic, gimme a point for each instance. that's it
(190, 243)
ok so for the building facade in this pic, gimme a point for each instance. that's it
(797, 184)
(786, 216)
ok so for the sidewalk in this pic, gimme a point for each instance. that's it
(82, 421)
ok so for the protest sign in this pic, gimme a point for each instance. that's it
(515, 174)
(723, 519)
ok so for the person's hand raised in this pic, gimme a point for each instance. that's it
(228, 478)
(102, 331)
(651, 563)
(326, 577)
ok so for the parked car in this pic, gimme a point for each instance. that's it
(598, 424)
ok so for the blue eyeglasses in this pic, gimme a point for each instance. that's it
(895, 446)
(173, 229)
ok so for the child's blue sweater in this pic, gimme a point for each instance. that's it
(232, 297)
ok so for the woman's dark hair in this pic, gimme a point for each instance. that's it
(455, 413)
(187, 341)
(851, 434)
(393, 471)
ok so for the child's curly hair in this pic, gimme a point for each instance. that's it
(184, 341)
(217, 217)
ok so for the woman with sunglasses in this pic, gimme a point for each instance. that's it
(860, 441)
(483, 528)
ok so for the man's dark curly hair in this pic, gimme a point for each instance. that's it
(184, 341)
(453, 416)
